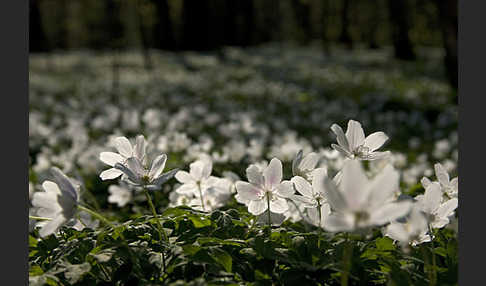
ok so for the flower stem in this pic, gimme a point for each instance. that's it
(201, 196)
(320, 225)
(39, 218)
(159, 226)
(97, 215)
(347, 255)
(268, 205)
(433, 278)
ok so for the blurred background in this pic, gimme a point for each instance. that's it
(403, 26)
(241, 81)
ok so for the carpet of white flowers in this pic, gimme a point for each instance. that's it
(273, 165)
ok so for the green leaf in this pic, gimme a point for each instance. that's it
(223, 258)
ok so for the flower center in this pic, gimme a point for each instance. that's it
(361, 151)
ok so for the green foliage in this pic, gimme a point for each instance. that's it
(226, 248)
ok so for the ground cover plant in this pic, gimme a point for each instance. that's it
(273, 165)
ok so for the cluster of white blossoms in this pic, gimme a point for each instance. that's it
(349, 201)
(199, 189)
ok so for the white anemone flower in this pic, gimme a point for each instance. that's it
(354, 145)
(265, 189)
(449, 187)
(358, 203)
(210, 191)
(413, 231)
(304, 165)
(150, 178)
(125, 151)
(433, 205)
(58, 202)
(311, 195)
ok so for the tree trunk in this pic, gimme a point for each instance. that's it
(399, 16)
(345, 36)
(37, 37)
(325, 24)
(303, 19)
(448, 22)
(196, 25)
(163, 33)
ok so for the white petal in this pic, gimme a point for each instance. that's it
(184, 177)
(354, 184)
(318, 177)
(383, 185)
(140, 147)
(296, 162)
(308, 202)
(432, 198)
(338, 222)
(285, 189)
(375, 140)
(135, 166)
(273, 173)
(257, 207)
(110, 174)
(397, 231)
(52, 226)
(254, 175)
(278, 206)
(247, 191)
(341, 150)
(187, 189)
(155, 184)
(447, 208)
(124, 147)
(111, 158)
(377, 155)
(64, 183)
(334, 196)
(441, 174)
(131, 175)
(302, 186)
(51, 187)
(309, 162)
(390, 212)
(158, 166)
(196, 170)
(340, 137)
(207, 168)
(354, 134)
(425, 182)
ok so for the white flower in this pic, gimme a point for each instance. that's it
(205, 191)
(304, 165)
(125, 151)
(310, 195)
(359, 202)
(119, 195)
(265, 188)
(139, 175)
(354, 145)
(413, 231)
(450, 187)
(313, 215)
(433, 205)
(58, 202)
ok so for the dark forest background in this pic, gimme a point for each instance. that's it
(207, 25)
